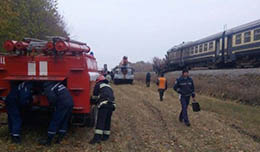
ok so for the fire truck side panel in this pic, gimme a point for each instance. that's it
(74, 69)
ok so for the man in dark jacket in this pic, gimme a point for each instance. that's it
(185, 87)
(58, 97)
(103, 97)
(148, 79)
(19, 98)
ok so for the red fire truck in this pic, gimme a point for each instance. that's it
(57, 59)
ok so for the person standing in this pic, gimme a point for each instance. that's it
(103, 97)
(162, 86)
(185, 87)
(148, 79)
(58, 97)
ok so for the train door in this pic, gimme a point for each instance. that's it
(217, 47)
(228, 51)
(217, 52)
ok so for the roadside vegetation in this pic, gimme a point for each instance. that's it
(30, 18)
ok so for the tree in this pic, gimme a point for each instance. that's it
(157, 64)
(30, 18)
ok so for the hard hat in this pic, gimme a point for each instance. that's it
(100, 78)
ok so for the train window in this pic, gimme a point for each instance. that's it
(238, 38)
(205, 47)
(257, 34)
(210, 45)
(196, 49)
(247, 37)
(201, 48)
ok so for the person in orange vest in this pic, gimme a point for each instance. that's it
(162, 86)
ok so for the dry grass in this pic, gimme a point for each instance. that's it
(143, 123)
(240, 88)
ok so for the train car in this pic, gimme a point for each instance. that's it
(236, 47)
(61, 60)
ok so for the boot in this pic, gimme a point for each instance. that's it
(180, 118)
(96, 139)
(105, 137)
(187, 124)
(46, 142)
(16, 139)
(60, 137)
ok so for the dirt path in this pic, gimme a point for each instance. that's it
(143, 123)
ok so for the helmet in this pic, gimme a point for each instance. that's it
(100, 78)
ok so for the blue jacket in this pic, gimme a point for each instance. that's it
(58, 95)
(184, 86)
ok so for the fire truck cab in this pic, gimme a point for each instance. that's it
(59, 59)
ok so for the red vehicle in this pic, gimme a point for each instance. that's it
(59, 59)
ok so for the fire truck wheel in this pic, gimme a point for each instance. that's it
(91, 121)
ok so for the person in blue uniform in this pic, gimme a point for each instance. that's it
(185, 87)
(103, 97)
(59, 98)
(18, 98)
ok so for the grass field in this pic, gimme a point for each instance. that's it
(142, 123)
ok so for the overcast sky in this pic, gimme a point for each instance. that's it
(142, 29)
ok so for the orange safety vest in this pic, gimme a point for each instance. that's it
(162, 83)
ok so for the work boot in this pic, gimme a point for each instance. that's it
(96, 139)
(16, 139)
(105, 137)
(46, 142)
(187, 124)
(180, 118)
(60, 138)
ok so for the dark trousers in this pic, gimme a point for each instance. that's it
(147, 83)
(185, 100)
(161, 93)
(60, 120)
(103, 121)
(14, 118)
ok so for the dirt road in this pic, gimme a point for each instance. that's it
(143, 123)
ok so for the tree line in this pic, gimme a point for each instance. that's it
(30, 18)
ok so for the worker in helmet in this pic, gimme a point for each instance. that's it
(59, 98)
(162, 85)
(124, 62)
(18, 98)
(103, 97)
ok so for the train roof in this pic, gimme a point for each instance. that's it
(244, 27)
(231, 31)
(218, 35)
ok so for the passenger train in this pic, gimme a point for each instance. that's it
(236, 47)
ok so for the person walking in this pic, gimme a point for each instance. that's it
(162, 86)
(103, 97)
(185, 87)
(148, 79)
